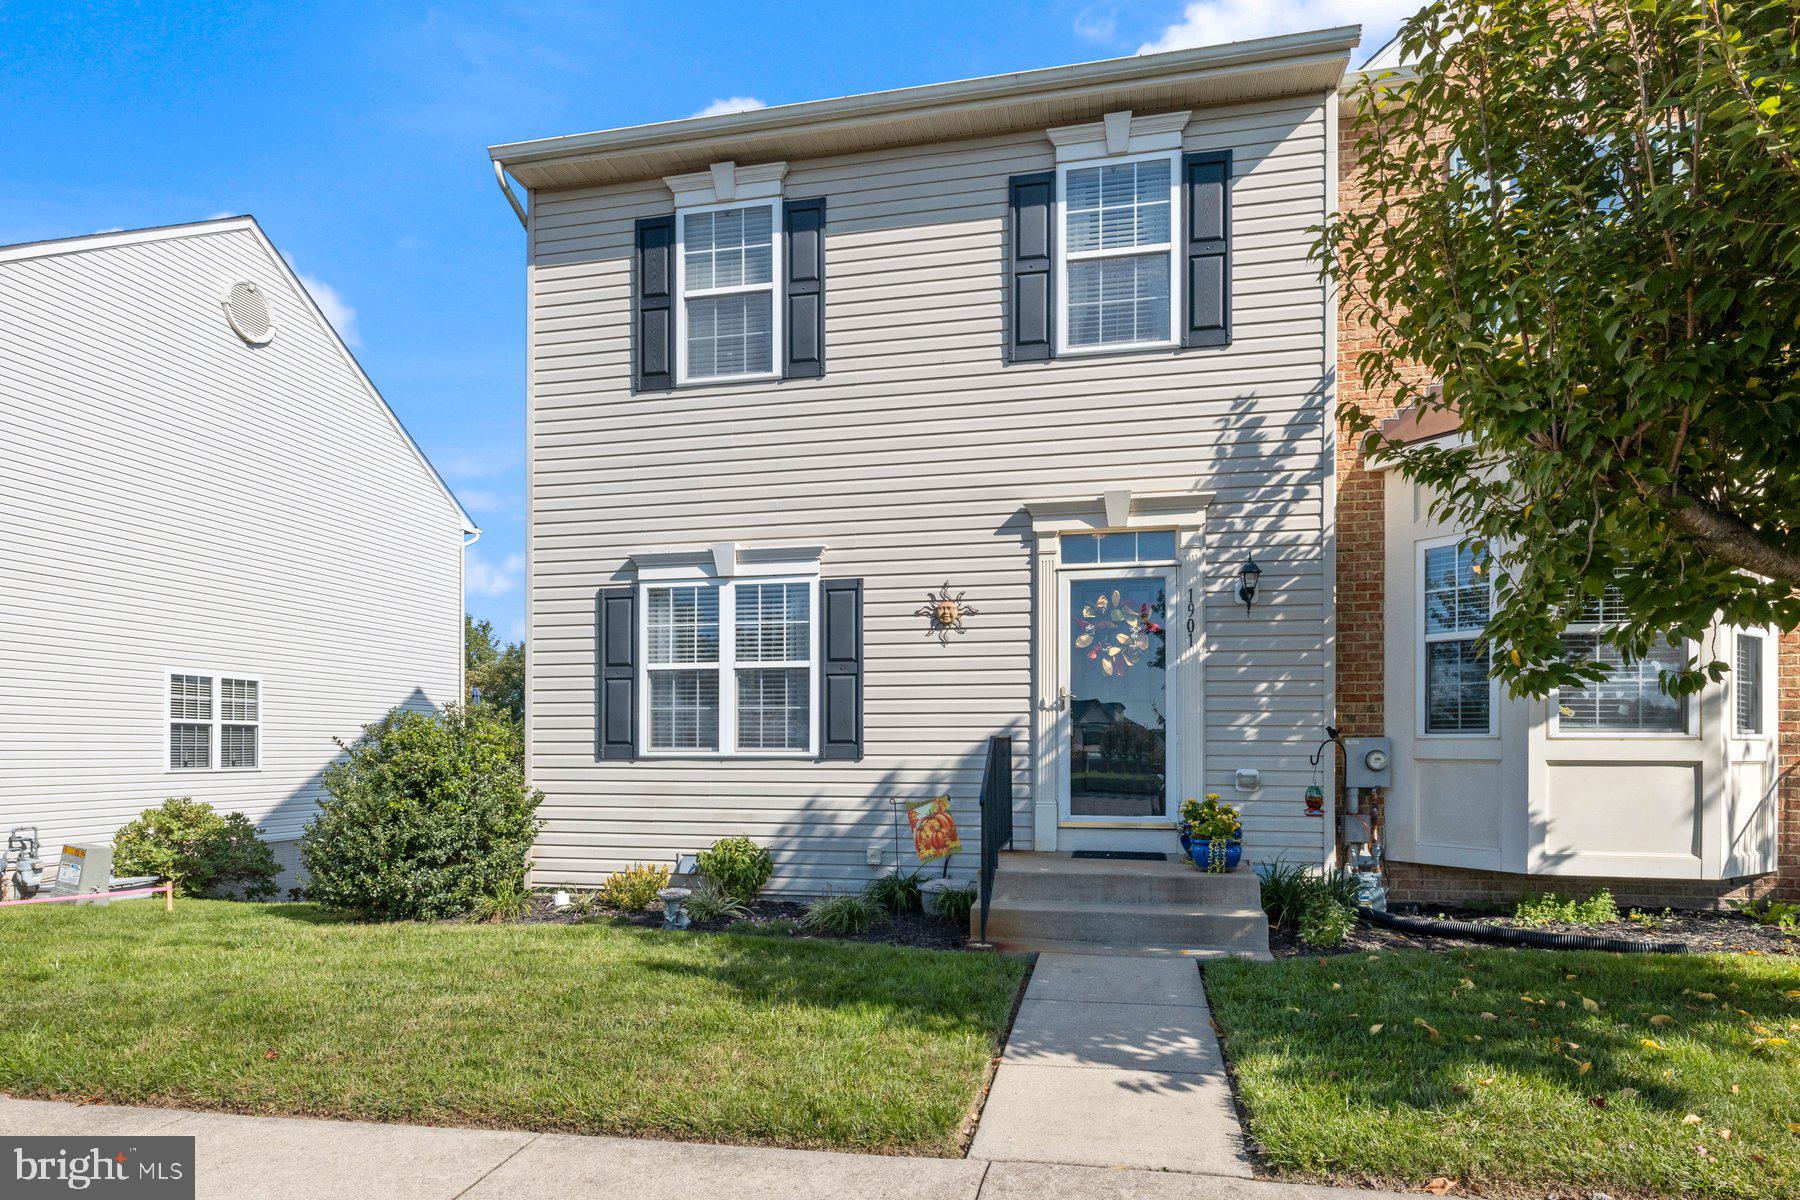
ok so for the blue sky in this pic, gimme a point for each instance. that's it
(356, 134)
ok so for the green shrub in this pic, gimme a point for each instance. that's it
(634, 889)
(709, 903)
(426, 814)
(953, 906)
(1553, 908)
(896, 892)
(840, 914)
(202, 853)
(1287, 888)
(1326, 921)
(510, 903)
(737, 866)
(1779, 913)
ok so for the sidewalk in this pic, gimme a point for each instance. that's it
(1112, 1062)
(284, 1158)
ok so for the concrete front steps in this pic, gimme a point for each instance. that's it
(1057, 903)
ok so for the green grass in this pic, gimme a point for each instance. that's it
(584, 1028)
(1504, 1101)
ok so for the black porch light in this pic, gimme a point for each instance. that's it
(1248, 576)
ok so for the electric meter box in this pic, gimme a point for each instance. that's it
(85, 869)
(1368, 762)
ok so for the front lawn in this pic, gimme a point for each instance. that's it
(1522, 1071)
(590, 1029)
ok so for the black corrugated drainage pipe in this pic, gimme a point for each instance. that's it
(1506, 935)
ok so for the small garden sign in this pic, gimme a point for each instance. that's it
(933, 828)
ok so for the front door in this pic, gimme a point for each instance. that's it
(1118, 739)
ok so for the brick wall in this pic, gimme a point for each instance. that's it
(1360, 620)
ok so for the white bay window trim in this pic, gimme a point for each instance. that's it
(1119, 139)
(727, 187)
(729, 570)
(224, 703)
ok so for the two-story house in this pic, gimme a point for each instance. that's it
(1046, 354)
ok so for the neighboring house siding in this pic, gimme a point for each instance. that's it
(174, 498)
(1362, 619)
(911, 460)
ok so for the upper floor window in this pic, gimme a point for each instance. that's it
(1118, 253)
(1457, 597)
(727, 307)
(215, 722)
(730, 666)
(1630, 699)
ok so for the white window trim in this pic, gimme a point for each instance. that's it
(1426, 638)
(725, 565)
(1691, 715)
(1769, 666)
(722, 187)
(217, 723)
(1118, 138)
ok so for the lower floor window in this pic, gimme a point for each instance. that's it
(207, 711)
(1630, 699)
(729, 666)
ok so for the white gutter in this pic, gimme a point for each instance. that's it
(506, 189)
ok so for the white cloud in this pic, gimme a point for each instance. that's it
(731, 104)
(1210, 22)
(483, 579)
(476, 465)
(1097, 25)
(337, 310)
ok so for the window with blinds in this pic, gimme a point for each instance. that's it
(208, 711)
(1118, 234)
(1747, 714)
(1630, 699)
(1458, 695)
(730, 667)
(727, 259)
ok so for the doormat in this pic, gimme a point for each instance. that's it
(1134, 855)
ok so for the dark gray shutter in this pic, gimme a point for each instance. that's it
(653, 306)
(841, 683)
(804, 224)
(1028, 267)
(615, 673)
(1206, 180)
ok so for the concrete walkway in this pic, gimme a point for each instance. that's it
(282, 1158)
(1113, 1062)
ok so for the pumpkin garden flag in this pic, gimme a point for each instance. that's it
(933, 828)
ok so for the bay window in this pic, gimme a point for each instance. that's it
(1457, 597)
(1630, 698)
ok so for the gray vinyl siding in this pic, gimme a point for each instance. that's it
(175, 499)
(911, 460)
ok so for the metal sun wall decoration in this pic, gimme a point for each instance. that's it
(946, 613)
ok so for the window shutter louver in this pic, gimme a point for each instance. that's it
(841, 673)
(804, 355)
(653, 305)
(615, 673)
(1206, 180)
(1028, 267)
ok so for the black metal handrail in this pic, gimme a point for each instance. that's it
(996, 817)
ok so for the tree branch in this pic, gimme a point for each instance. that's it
(1734, 541)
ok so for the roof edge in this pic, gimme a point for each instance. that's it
(79, 242)
(1339, 39)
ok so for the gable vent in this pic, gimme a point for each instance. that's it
(247, 309)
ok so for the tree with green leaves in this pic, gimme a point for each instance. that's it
(1584, 220)
(496, 667)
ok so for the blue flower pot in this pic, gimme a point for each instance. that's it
(1187, 844)
(1202, 853)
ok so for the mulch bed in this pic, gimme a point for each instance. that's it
(1702, 932)
(773, 917)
